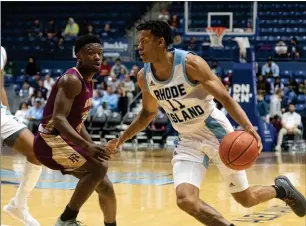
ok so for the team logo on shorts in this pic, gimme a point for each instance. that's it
(74, 158)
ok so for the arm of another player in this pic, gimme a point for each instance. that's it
(198, 70)
(68, 88)
(147, 114)
(3, 92)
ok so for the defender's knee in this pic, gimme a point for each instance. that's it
(100, 169)
(106, 189)
(103, 169)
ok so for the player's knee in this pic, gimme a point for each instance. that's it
(101, 169)
(106, 189)
(187, 203)
(32, 159)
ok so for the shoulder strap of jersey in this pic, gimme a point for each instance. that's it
(73, 72)
(147, 69)
(78, 74)
(180, 58)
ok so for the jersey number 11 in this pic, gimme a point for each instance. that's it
(181, 106)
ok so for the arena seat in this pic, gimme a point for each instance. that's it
(57, 72)
(286, 74)
(20, 79)
(46, 71)
(300, 108)
(285, 81)
(8, 80)
(110, 129)
(95, 127)
(19, 19)
(301, 99)
(300, 74)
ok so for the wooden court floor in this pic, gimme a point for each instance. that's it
(145, 194)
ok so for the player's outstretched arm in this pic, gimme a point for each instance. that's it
(68, 88)
(198, 70)
(147, 114)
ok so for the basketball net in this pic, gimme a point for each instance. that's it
(216, 35)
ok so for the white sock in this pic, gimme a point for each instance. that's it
(30, 177)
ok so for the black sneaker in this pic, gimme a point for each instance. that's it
(294, 198)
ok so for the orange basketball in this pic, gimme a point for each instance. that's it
(238, 150)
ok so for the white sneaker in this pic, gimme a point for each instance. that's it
(20, 213)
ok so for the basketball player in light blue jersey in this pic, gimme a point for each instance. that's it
(184, 86)
(16, 135)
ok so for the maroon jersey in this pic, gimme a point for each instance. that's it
(79, 110)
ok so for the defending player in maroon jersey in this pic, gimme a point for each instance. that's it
(62, 142)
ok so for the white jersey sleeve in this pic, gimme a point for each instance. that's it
(3, 58)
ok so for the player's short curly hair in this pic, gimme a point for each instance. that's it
(84, 40)
(159, 29)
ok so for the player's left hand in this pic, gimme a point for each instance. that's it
(112, 146)
(253, 132)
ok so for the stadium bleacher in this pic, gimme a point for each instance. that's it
(277, 21)
(18, 19)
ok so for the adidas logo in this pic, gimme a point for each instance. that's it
(152, 83)
(231, 185)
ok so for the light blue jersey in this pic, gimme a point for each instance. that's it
(187, 105)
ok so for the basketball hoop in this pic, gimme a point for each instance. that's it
(216, 35)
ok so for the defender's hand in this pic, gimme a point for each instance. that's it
(98, 152)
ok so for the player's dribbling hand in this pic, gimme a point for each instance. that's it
(98, 152)
(112, 146)
(253, 132)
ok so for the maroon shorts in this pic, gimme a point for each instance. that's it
(56, 152)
